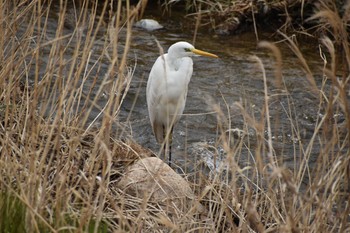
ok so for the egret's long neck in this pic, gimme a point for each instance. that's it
(174, 61)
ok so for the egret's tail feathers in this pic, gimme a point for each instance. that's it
(158, 130)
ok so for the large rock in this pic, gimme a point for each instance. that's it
(154, 180)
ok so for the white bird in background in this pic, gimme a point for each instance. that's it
(148, 24)
(167, 89)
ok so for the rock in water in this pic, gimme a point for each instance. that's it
(148, 24)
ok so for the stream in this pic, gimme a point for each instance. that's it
(234, 77)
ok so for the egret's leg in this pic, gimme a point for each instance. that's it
(170, 143)
(165, 143)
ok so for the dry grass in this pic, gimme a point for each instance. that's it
(233, 17)
(58, 170)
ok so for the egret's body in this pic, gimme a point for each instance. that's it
(167, 88)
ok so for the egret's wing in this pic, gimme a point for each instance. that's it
(155, 84)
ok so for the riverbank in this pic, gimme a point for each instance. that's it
(234, 17)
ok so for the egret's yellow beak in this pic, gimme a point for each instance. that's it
(202, 53)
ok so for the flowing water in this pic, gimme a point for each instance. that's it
(233, 78)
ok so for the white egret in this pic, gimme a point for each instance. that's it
(167, 89)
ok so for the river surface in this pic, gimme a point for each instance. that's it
(233, 78)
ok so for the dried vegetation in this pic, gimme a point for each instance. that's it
(234, 17)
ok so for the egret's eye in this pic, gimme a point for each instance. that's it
(187, 50)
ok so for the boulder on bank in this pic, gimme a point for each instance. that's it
(154, 180)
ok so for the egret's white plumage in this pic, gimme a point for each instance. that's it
(167, 87)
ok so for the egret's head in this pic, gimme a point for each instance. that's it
(184, 49)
